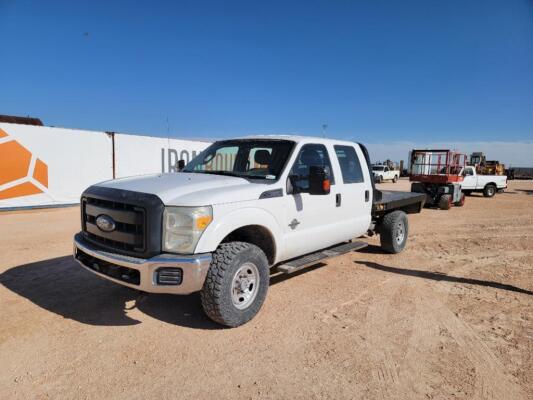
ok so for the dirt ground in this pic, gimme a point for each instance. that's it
(450, 317)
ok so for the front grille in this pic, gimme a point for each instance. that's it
(124, 274)
(138, 221)
(130, 222)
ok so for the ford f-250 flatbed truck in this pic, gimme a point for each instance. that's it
(239, 209)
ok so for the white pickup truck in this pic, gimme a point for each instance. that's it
(384, 173)
(241, 208)
(486, 184)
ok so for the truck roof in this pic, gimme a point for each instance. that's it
(299, 138)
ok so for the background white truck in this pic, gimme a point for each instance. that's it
(384, 173)
(486, 184)
(239, 209)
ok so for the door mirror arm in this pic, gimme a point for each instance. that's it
(291, 186)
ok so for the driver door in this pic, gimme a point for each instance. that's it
(469, 179)
(311, 220)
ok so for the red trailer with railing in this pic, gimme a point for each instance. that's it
(437, 173)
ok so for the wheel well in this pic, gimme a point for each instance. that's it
(256, 235)
(490, 184)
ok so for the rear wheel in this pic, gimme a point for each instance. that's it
(445, 202)
(395, 179)
(461, 202)
(236, 284)
(394, 231)
(489, 191)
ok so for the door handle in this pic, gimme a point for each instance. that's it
(338, 200)
(367, 195)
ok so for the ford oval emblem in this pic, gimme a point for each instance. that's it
(105, 223)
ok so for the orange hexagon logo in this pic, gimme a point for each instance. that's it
(21, 173)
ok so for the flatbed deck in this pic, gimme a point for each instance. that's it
(387, 200)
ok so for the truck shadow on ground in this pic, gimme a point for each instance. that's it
(61, 286)
(438, 276)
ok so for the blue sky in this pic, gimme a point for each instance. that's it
(375, 71)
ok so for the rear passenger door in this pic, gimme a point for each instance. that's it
(356, 196)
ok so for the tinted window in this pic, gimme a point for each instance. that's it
(349, 163)
(310, 155)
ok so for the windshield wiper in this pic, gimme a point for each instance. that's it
(228, 173)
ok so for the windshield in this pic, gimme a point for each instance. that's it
(377, 168)
(247, 158)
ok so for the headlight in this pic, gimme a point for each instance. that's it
(183, 226)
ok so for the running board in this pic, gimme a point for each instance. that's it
(300, 263)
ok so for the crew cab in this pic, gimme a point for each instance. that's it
(239, 210)
(486, 184)
(384, 173)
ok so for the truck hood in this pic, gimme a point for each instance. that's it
(190, 189)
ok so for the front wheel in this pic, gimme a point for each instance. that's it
(395, 179)
(236, 284)
(394, 231)
(445, 202)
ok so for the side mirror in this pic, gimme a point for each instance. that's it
(318, 181)
(181, 165)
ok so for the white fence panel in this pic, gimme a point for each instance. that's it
(46, 166)
(139, 155)
(43, 166)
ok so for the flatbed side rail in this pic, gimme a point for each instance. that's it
(408, 202)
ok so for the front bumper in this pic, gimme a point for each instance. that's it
(144, 271)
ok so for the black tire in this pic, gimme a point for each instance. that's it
(395, 179)
(489, 190)
(445, 202)
(394, 231)
(216, 294)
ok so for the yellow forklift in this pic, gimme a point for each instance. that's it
(484, 166)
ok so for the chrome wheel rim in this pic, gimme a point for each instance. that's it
(245, 285)
(400, 233)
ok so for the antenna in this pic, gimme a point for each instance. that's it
(324, 127)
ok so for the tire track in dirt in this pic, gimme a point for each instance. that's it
(425, 322)
(492, 382)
